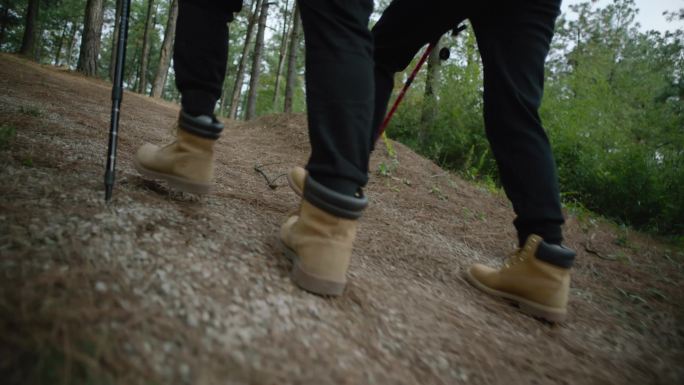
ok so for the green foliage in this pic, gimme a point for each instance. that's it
(30, 111)
(12, 14)
(613, 109)
(7, 134)
(386, 169)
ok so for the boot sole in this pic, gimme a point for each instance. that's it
(309, 282)
(294, 186)
(526, 306)
(175, 182)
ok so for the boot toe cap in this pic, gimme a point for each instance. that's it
(286, 228)
(482, 274)
(146, 153)
(296, 178)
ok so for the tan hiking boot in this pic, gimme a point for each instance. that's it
(187, 164)
(296, 179)
(319, 238)
(536, 277)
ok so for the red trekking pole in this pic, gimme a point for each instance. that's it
(400, 97)
(444, 54)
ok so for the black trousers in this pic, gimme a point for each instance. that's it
(339, 78)
(339, 90)
(349, 78)
(201, 51)
(513, 37)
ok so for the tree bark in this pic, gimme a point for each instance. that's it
(429, 110)
(91, 39)
(166, 51)
(292, 62)
(281, 54)
(145, 48)
(72, 41)
(60, 44)
(115, 37)
(239, 76)
(256, 62)
(28, 43)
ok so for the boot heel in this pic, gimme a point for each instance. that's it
(309, 282)
(314, 284)
(177, 183)
(550, 315)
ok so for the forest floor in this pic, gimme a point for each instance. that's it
(161, 287)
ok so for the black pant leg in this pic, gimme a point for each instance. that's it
(514, 43)
(339, 90)
(200, 52)
(404, 27)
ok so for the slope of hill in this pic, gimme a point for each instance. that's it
(158, 287)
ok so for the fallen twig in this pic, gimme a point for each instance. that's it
(589, 250)
(269, 182)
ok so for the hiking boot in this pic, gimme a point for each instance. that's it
(296, 178)
(536, 277)
(319, 238)
(187, 163)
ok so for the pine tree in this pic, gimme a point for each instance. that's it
(239, 76)
(256, 62)
(166, 50)
(292, 62)
(90, 41)
(28, 44)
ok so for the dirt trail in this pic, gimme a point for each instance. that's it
(165, 288)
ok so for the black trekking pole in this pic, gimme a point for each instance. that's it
(117, 95)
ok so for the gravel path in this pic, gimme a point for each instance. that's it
(160, 287)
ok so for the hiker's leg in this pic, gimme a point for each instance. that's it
(200, 52)
(514, 43)
(339, 90)
(405, 27)
(339, 95)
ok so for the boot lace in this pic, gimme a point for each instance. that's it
(514, 258)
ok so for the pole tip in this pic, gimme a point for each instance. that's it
(108, 192)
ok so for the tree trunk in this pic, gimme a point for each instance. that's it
(292, 62)
(115, 38)
(281, 54)
(256, 62)
(28, 43)
(472, 66)
(90, 41)
(72, 42)
(225, 90)
(145, 48)
(60, 44)
(166, 50)
(429, 111)
(135, 73)
(239, 76)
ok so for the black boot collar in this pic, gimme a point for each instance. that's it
(332, 202)
(204, 126)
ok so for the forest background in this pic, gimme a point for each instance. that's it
(613, 105)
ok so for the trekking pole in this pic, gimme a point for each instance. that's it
(117, 95)
(400, 97)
